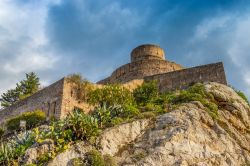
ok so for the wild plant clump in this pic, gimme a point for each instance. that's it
(94, 158)
(12, 150)
(33, 119)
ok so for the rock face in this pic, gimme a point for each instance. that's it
(189, 136)
(37, 150)
(115, 138)
(185, 136)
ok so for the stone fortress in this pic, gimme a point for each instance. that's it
(147, 63)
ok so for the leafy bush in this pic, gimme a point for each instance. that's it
(116, 121)
(32, 119)
(195, 93)
(84, 127)
(151, 107)
(94, 158)
(111, 95)
(146, 93)
(108, 116)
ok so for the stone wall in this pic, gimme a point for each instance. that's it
(183, 78)
(140, 69)
(56, 100)
(70, 100)
(48, 99)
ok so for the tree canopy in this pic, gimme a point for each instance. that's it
(23, 89)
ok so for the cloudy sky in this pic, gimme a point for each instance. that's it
(57, 37)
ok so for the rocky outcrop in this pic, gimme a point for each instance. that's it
(65, 158)
(37, 150)
(113, 139)
(187, 135)
(109, 142)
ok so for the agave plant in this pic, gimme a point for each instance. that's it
(82, 125)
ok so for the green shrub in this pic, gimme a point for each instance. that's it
(77, 162)
(146, 115)
(32, 119)
(108, 116)
(116, 121)
(111, 95)
(146, 93)
(129, 111)
(151, 107)
(103, 115)
(195, 93)
(94, 158)
(243, 96)
(84, 127)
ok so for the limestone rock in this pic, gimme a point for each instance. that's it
(185, 136)
(77, 151)
(113, 139)
(33, 153)
(189, 136)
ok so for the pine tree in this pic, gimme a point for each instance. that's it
(29, 86)
(9, 98)
(23, 89)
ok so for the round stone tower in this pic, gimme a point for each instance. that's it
(146, 60)
(147, 52)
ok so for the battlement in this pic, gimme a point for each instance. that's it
(147, 52)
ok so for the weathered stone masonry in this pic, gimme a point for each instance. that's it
(146, 60)
(183, 78)
(147, 63)
(56, 100)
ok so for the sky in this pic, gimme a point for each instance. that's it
(55, 38)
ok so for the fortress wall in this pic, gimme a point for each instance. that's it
(48, 100)
(183, 78)
(140, 69)
(70, 101)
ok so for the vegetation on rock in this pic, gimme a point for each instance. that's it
(111, 95)
(114, 105)
(94, 158)
(82, 86)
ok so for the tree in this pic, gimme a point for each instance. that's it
(9, 98)
(28, 86)
(23, 89)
